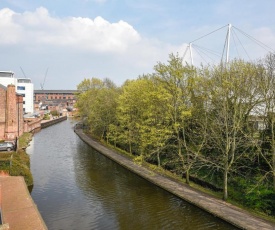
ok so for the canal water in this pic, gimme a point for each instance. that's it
(75, 187)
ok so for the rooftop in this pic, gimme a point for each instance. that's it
(24, 80)
(9, 74)
(54, 91)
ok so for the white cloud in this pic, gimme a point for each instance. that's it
(76, 47)
(10, 32)
(40, 28)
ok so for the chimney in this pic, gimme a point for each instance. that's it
(11, 114)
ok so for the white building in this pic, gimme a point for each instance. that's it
(7, 78)
(25, 88)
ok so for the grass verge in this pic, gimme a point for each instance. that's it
(18, 163)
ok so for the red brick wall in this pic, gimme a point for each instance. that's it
(11, 112)
(11, 115)
(20, 112)
(2, 112)
(32, 124)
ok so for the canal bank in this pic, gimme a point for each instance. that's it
(17, 208)
(18, 211)
(47, 123)
(219, 208)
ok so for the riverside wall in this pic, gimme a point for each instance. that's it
(47, 123)
(31, 124)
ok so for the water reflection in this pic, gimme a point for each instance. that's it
(75, 187)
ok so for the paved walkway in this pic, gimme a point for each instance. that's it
(19, 212)
(219, 208)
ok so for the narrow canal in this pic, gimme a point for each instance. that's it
(76, 187)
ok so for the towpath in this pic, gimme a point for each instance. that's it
(17, 207)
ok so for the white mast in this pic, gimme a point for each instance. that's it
(191, 54)
(228, 43)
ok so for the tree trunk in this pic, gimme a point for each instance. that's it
(187, 177)
(158, 159)
(225, 180)
(273, 169)
(273, 151)
(130, 147)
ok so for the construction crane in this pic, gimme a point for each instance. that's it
(42, 85)
(23, 72)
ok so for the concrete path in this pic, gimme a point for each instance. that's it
(219, 208)
(19, 212)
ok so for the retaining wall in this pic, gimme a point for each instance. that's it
(45, 124)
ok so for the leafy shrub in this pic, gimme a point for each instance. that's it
(260, 198)
(46, 117)
(55, 113)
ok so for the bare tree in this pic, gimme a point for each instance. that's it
(267, 86)
(232, 97)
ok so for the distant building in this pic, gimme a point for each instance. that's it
(25, 88)
(11, 113)
(45, 95)
(55, 100)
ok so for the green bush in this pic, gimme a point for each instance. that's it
(46, 117)
(260, 198)
(55, 113)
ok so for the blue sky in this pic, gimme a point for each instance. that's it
(121, 40)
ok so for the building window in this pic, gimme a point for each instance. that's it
(22, 94)
(20, 87)
(23, 102)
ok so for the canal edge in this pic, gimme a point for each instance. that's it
(18, 209)
(219, 208)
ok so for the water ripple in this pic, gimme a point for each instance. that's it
(75, 187)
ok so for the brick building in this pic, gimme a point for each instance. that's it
(44, 95)
(54, 100)
(11, 113)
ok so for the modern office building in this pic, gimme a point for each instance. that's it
(25, 88)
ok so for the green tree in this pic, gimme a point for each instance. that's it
(267, 111)
(174, 77)
(155, 129)
(128, 115)
(233, 95)
(96, 102)
(194, 128)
